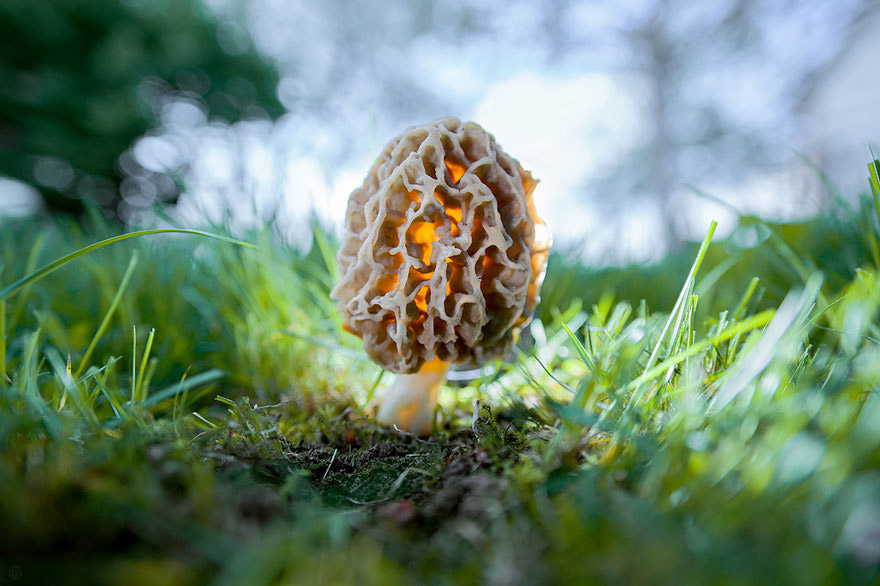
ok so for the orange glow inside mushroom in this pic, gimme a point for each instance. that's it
(387, 283)
(448, 280)
(423, 234)
(456, 171)
(422, 299)
(453, 211)
(454, 214)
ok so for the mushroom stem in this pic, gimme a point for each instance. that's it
(409, 402)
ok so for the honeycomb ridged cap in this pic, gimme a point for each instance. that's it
(443, 253)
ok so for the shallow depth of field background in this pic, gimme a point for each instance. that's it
(626, 111)
(688, 406)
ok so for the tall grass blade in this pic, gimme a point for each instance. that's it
(761, 355)
(184, 385)
(371, 393)
(29, 267)
(203, 420)
(84, 361)
(3, 378)
(582, 352)
(59, 366)
(874, 170)
(139, 388)
(114, 404)
(674, 315)
(547, 371)
(744, 301)
(326, 251)
(29, 369)
(753, 323)
(134, 363)
(57, 264)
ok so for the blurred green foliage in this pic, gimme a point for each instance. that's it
(251, 313)
(730, 438)
(780, 254)
(82, 79)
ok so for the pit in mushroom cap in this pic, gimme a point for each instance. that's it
(443, 253)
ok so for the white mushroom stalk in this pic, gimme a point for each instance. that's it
(441, 261)
(411, 400)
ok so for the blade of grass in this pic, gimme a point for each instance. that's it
(224, 400)
(27, 384)
(761, 355)
(179, 401)
(550, 374)
(114, 404)
(94, 372)
(29, 267)
(715, 275)
(59, 366)
(325, 249)
(582, 352)
(754, 322)
(675, 332)
(677, 308)
(184, 385)
(750, 290)
(326, 344)
(57, 264)
(212, 425)
(744, 301)
(145, 383)
(133, 363)
(874, 170)
(29, 368)
(3, 378)
(141, 393)
(375, 386)
(84, 361)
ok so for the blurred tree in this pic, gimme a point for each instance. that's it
(721, 84)
(82, 79)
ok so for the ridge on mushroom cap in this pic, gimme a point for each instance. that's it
(443, 252)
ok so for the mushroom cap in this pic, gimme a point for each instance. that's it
(443, 253)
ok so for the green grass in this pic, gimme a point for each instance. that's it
(180, 410)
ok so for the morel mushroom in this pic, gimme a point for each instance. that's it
(441, 261)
